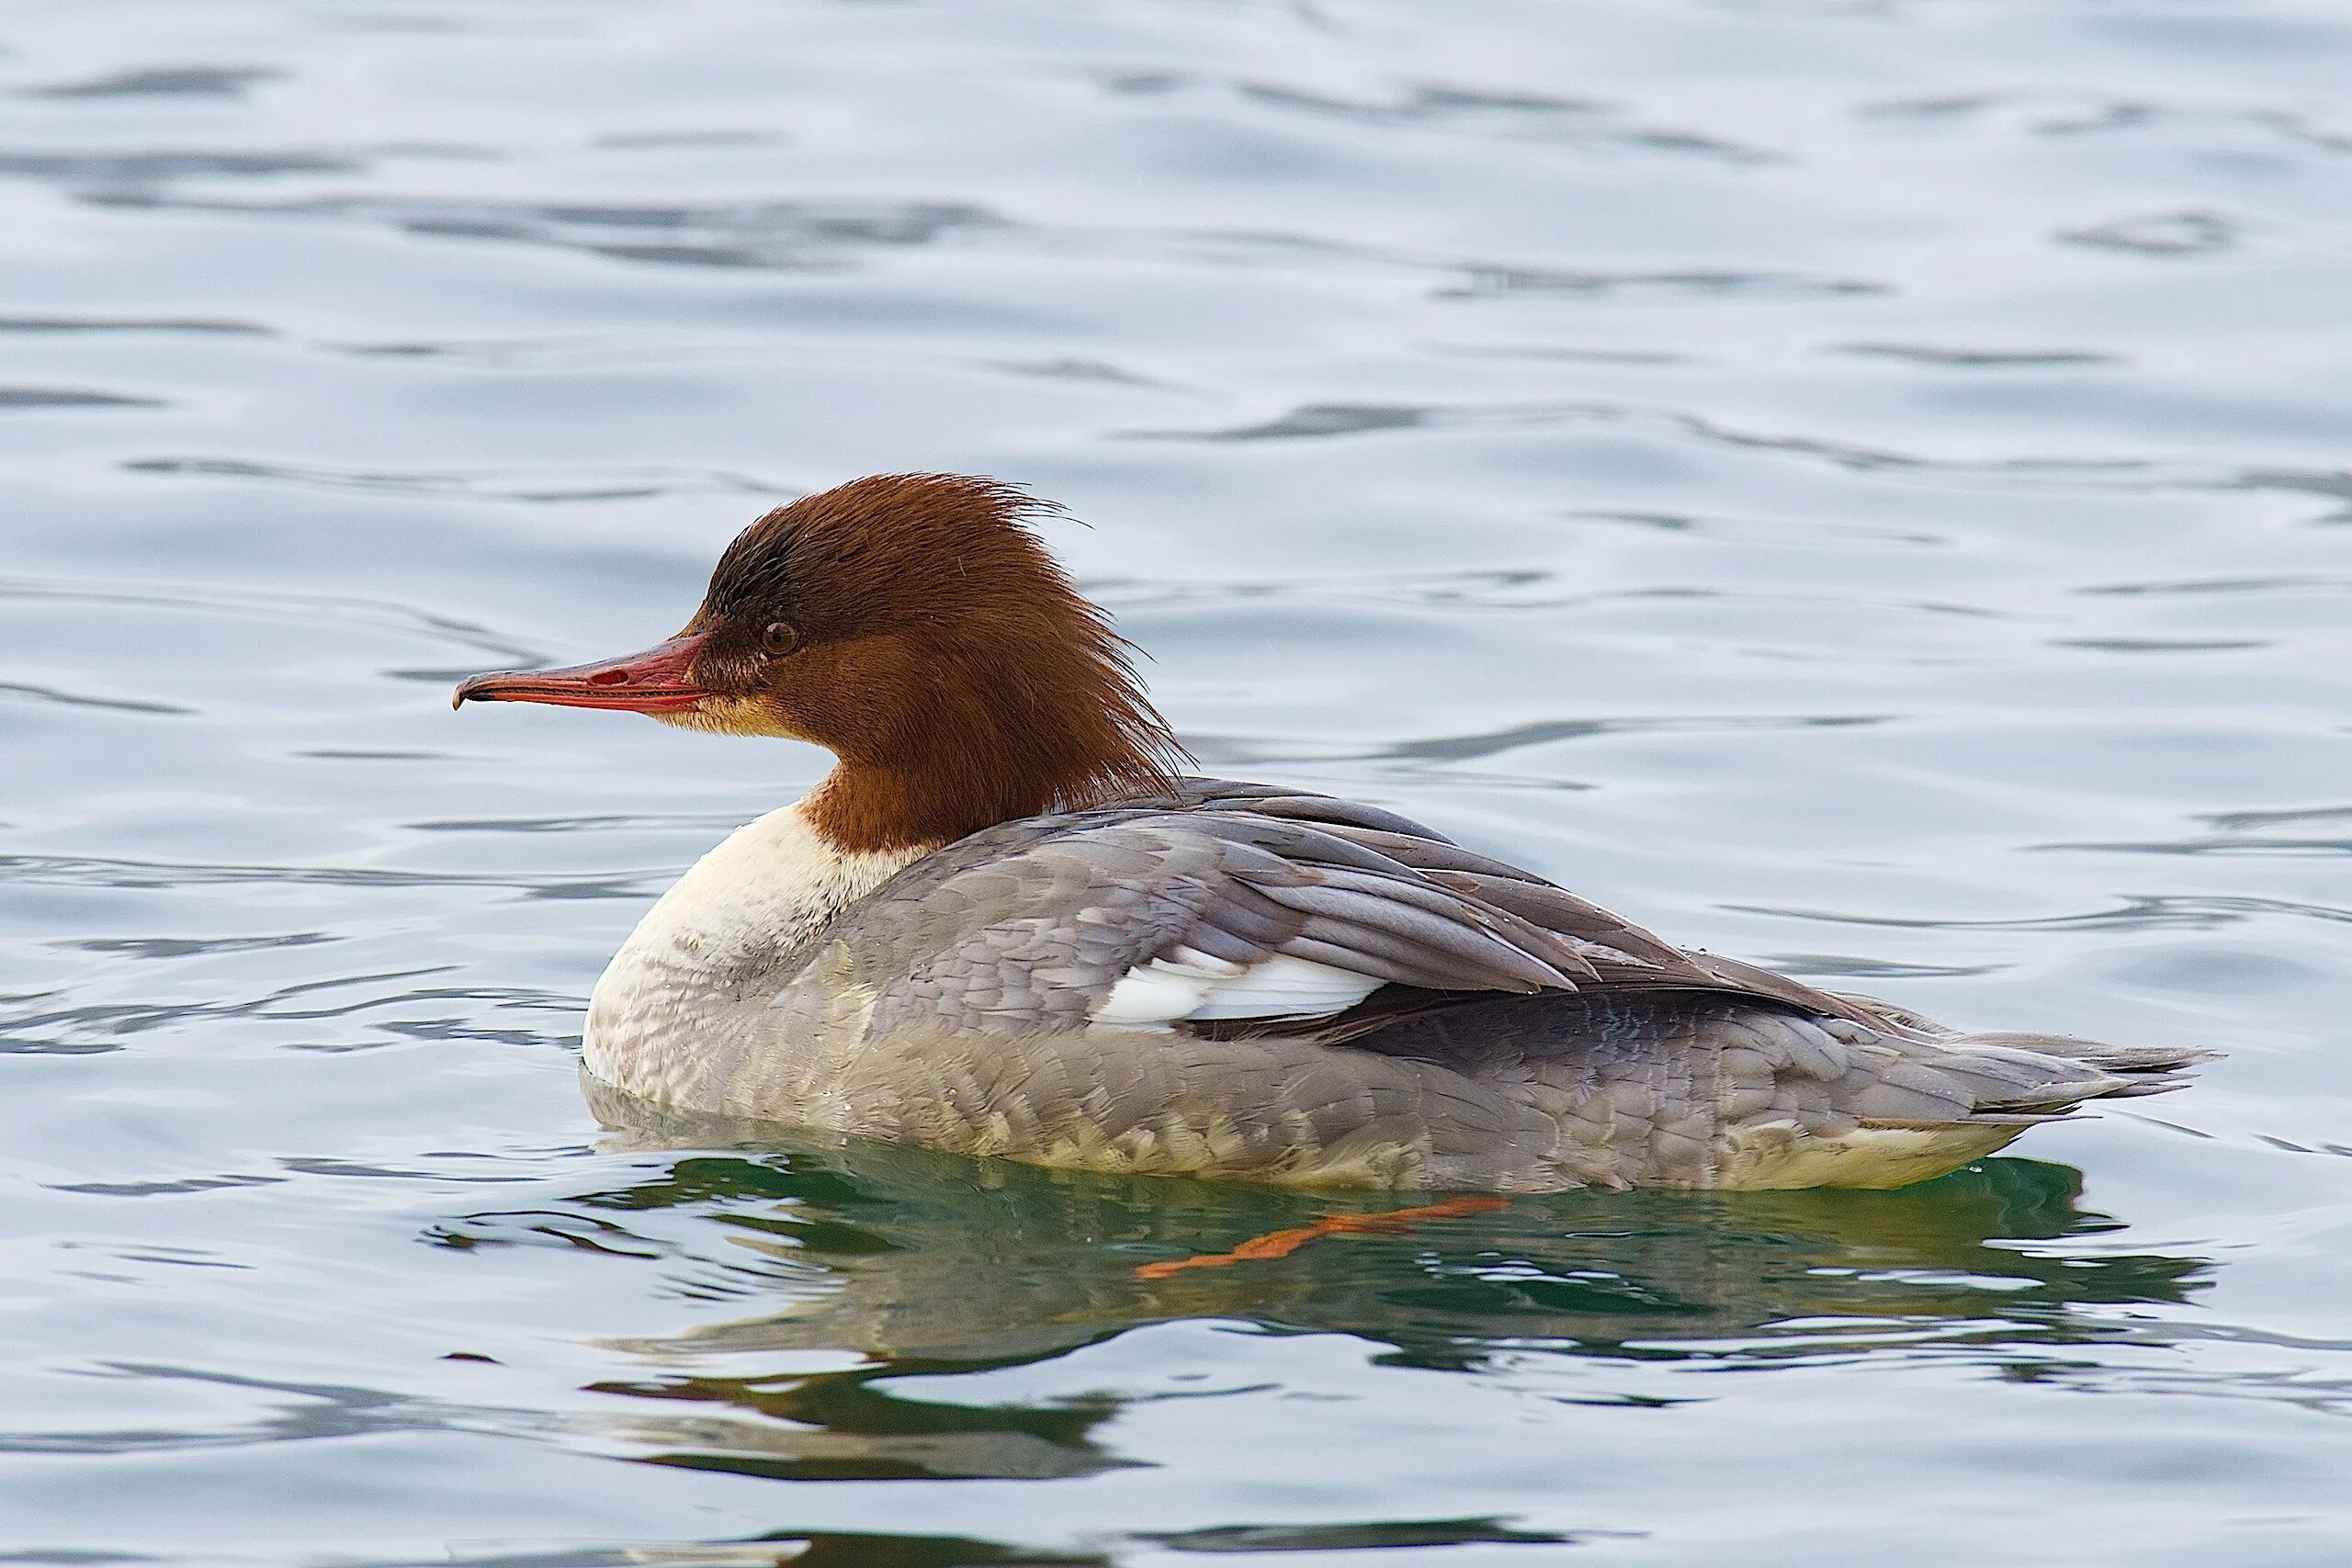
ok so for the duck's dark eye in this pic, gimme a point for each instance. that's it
(779, 637)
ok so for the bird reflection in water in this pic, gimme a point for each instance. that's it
(926, 1264)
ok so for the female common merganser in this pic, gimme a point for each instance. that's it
(1005, 924)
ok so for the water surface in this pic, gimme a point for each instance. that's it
(1863, 487)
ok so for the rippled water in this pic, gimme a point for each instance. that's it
(1865, 487)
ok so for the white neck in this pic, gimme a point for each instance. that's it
(740, 916)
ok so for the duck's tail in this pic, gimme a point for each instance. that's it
(2011, 1078)
(1911, 1099)
(2025, 1078)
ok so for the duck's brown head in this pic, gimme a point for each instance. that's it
(914, 625)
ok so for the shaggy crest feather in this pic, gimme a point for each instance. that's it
(940, 652)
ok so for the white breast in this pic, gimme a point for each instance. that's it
(722, 929)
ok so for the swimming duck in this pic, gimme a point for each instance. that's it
(1008, 924)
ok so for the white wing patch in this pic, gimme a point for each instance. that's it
(1188, 984)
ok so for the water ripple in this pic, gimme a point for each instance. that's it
(792, 235)
(82, 871)
(70, 398)
(2160, 234)
(163, 81)
(2183, 911)
(162, 165)
(611, 482)
(88, 323)
(85, 700)
(1489, 282)
(328, 608)
(1983, 358)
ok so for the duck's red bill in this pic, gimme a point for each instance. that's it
(659, 680)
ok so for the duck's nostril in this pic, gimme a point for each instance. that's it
(609, 677)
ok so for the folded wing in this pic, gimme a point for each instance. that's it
(1237, 910)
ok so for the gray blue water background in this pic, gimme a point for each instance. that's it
(1863, 487)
